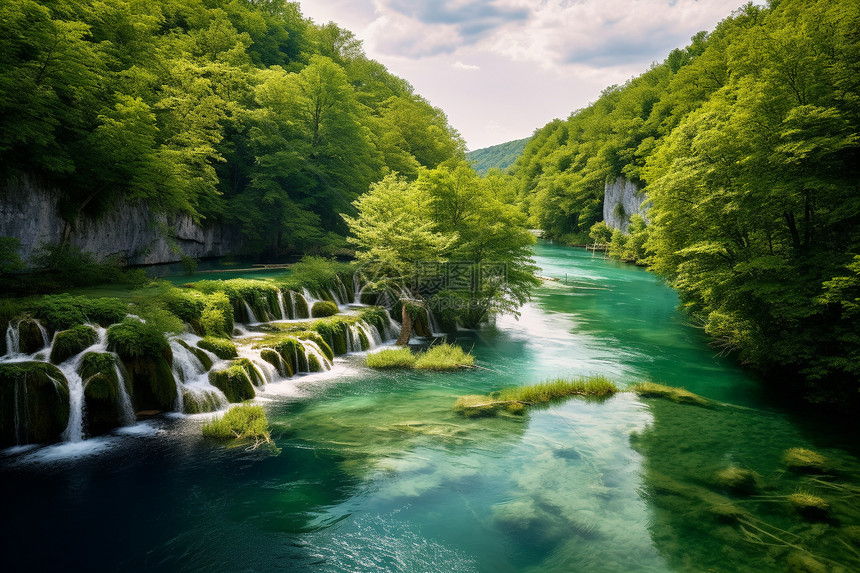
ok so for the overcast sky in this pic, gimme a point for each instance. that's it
(502, 68)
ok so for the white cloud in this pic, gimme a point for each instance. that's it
(458, 65)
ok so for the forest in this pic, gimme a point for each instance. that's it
(239, 111)
(746, 144)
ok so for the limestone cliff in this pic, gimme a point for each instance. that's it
(130, 231)
(621, 199)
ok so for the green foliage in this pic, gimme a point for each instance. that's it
(68, 343)
(221, 347)
(444, 357)
(391, 358)
(63, 311)
(244, 111)
(61, 266)
(324, 308)
(315, 274)
(376, 317)
(600, 233)
(499, 156)
(239, 422)
(98, 375)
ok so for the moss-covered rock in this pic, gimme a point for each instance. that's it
(221, 347)
(202, 356)
(68, 343)
(234, 382)
(323, 308)
(254, 374)
(293, 353)
(282, 366)
(314, 364)
(102, 401)
(678, 395)
(363, 340)
(34, 403)
(801, 460)
(302, 308)
(147, 357)
(30, 336)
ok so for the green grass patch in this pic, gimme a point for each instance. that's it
(515, 400)
(391, 358)
(241, 422)
(444, 357)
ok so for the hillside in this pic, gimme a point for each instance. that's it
(500, 156)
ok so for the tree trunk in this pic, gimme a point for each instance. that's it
(405, 329)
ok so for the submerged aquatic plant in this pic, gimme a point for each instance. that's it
(242, 422)
(802, 460)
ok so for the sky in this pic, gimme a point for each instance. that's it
(502, 68)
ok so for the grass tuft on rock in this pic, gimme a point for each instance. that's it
(68, 343)
(671, 393)
(809, 506)
(242, 422)
(391, 358)
(514, 400)
(444, 357)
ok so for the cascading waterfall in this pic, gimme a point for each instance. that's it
(336, 296)
(281, 305)
(128, 417)
(371, 333)
(353, 341)
(313, 349)
(74, 431)
(13, 340)
(341, 288)
(192, 380)
(252, 318)
(309, 298)
(392, 327)
(293, 304)
(433, 323)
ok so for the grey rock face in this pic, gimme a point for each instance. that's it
(624, 193)
(28, 212)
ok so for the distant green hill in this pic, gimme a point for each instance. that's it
(501, 156)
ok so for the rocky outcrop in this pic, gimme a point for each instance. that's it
(130, 231)
(621, 199)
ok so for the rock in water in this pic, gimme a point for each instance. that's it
(34, 403)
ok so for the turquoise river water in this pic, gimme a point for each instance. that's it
(374, 471)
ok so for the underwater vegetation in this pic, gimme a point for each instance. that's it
(515, 400)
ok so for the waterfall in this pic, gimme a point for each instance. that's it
(341, 289)
(357, 288)
(309, 298)
(435, 329)
(281, 305)
(312, 348)
(186, 366)
(293, 305)
(371, 332)
(336, 296)
(128, 417)
(392, 327)
(13, 340)
(45, 341)
(252, 318)
(74, 431)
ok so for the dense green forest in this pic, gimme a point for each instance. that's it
(235, 110)
(499, 156)
(746, 143)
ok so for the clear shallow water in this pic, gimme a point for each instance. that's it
(376, 472)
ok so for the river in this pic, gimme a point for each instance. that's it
(376, 472)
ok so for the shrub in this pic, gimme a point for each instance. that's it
(315, 273)
(220, 347)
(444, 357)
(323, 308)
(600, 233)
(391, 358)
(217, 305)
(184, 303)
(240, 422)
